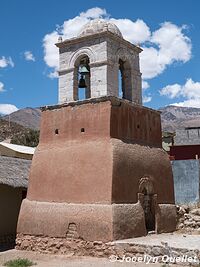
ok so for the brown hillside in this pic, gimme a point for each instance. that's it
(8, 130)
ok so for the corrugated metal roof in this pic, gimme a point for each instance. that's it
(18, 148)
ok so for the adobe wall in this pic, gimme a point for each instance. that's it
(94, 221)
(91, 159)
(135, 124)
(84, 159)
(131, 162)
(101, 117)
(86, 171)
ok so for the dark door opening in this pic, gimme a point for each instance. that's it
(149, 211)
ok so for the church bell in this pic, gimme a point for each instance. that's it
(82, 83)
(83, 71)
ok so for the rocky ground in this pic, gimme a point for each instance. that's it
(188, 219)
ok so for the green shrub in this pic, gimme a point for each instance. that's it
(19, 263)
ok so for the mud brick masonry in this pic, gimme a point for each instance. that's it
(99, 172)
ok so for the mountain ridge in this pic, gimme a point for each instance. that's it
(172, 118)
(27, 117)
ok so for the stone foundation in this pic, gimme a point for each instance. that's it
(51, 245)
(78, 247)
(188, 219)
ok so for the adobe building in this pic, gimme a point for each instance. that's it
(186, 145)
(185, 155)
(15, 161)
(99, 172)
(13, 186)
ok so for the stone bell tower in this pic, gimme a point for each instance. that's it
(100, 44)
(99, 171)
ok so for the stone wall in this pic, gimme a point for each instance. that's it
(111, 250)
(188, 219)
(104, 51)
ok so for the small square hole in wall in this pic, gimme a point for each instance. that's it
(82, 130)
(56, 131)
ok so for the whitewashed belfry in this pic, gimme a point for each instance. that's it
(94, 59)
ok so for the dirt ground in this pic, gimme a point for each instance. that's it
(44, 260)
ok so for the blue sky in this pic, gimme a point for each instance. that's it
(169, 32)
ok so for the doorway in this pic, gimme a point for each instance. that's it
(149, 211)
(146, 189)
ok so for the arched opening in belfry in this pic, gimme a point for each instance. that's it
(82, 78)
(124, 80)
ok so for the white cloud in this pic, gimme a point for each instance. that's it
(171, 91)
(29, 56)
(145, 85)
(172, 42)
(53, 74)
(50, 50)
(171, 45)
(1, 87)
(94, 13)
(149, 62)
(5, 62)
(146, 99)
(134, 31)
(139, 32)
(6, 109)
(69, 29)
(195, 103)
(161, 48)
(190, 91)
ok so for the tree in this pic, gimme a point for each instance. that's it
(28, 138)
